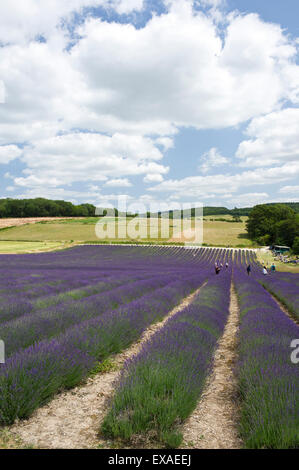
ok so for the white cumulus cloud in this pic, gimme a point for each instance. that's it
(273, 139)
(83, 157)
(109, 106)
(2, 92)
(211, 159)
(9, 153)
(220, 183)
(22, 21)
(153, 178)
(185, 79)
(293, 190)
(118, 183)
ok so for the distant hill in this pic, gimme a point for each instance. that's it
(211, 210)
(40, 207)
(247, 210)
(241, 211)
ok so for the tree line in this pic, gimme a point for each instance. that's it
(274, 224)
(40, 207)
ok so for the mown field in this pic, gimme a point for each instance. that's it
(8, 247)
(63, 315)
(215, 233)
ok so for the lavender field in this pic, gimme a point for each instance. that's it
(62, 315)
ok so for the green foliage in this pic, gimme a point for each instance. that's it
(40, 207)
(154, 404)
(172, 439)
(215, 211)
(222, 219)
(236, 213)
(107, 365)
(287, 230)
(158, 391)
(236, 218)
(296, 246)
(272, 224)
(245, 211)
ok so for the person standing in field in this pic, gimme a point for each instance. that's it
(265, 272)
(248, 269)
(273, 268)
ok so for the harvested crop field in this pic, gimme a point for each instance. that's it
(5, 223)
(147, 347)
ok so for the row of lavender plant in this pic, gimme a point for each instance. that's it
(89, 279)
(32, 376)
(27, 324)
(28, 329)
(99, 258)
(284, 286)
(15, 307)
(83, 267)
(21, 293)
(268, 379)
(33, 276)
(33, 282)
(161, 385)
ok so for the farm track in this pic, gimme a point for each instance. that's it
(73, 418)
(283, 307)
(213, 424)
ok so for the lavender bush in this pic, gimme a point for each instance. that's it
(268, 380)
(26, 330)
(160, 386)
(68, 345)
(285, 287)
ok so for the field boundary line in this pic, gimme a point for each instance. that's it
(72, 419)
(213, 423)
(173, 245)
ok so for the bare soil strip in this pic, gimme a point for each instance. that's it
(213, 424)
(72, 419)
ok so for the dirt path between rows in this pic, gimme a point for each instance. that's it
(72, 419)
(213, 424)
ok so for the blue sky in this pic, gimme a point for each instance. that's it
(167, 101)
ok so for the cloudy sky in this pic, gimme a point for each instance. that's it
(159, 100)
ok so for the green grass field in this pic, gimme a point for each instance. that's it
(17, 247)
(215, 233)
